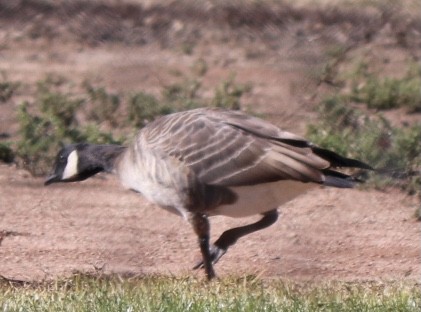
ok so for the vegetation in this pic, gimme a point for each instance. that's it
(385, 92)
(43, 133)
(59, 115)
(145, 107)
(228, 94)
(6, 153)
(7, 89)
(103, 105)
(83, 293)
(347, 128)
(396, 152)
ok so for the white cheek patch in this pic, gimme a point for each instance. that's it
(71, 167)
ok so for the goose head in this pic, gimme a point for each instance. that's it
(75, 162)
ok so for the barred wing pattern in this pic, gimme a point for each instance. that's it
(227, 148)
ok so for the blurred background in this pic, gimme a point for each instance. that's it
(345, 74)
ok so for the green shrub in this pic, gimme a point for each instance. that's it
(372, 139)
(55, 116)
(390, 93)
(387, 93)
(228, 94)
(187, 95)
(179, 96)
(7, 89)
(6, 153)
(103, 105)
(144, 107)
(92, 134)
(183, 95)
(40, 137)
(44, 132)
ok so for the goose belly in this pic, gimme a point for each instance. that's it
(164, 197)
(159, 192)
(261, 198)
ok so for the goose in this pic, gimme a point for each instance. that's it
(206, 162)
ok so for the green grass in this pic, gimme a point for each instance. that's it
(82, 293)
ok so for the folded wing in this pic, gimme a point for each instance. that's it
(229, 148)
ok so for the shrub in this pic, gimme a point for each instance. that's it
(7, 89)
(58, 117)
(104, 105)
(348, 131)
(228, 94)
(183, 95)
(40, 136)
(43, 133)
(144, 107)
(6, 153)
(387, 93)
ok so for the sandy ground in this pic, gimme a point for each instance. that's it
(97, 226)
(327, 234)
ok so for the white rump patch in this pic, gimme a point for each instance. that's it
(71, 167)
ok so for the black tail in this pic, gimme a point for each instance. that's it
(339, 179)
(337, 160)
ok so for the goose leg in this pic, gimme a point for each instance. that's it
(230, 237)
(201, 227)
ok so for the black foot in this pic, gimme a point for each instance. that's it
(215, 252)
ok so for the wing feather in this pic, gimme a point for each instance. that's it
(230, 148)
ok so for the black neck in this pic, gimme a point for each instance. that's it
(105, 156)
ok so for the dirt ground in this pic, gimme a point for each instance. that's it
(97, 226)
(327, 234)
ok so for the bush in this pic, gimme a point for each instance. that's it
(7, 89)
(58, 117)
(40, 136)
(6, 153)
(104, 105)
(144, 107)
(184, 95)
(387, 93)
(228, 94)
(43, 133)
(348, 131)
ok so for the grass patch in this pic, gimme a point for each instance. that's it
(347, 130)
(347, 127)
(82, 293)
(384, 93)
